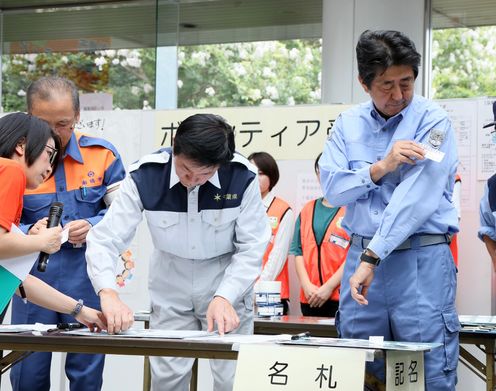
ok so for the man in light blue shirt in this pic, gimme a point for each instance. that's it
(392, 162)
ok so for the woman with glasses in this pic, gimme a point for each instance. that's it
(28, 152)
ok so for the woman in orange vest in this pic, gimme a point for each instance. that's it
(281, 217)
(320, 246)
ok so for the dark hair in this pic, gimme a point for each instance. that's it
(206, 139)
(378, 50)
(18, 128)
(316, 164)
(266, 164)
(45, 88)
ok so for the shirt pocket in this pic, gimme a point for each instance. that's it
(451, 332)
(164, 229)
(220, 228)
(89, 201)
(36, 207)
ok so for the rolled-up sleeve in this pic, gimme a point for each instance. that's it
(341, 184)
(403, 216)
(252, 233)
(487, 221)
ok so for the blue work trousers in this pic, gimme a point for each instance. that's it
(411, 299)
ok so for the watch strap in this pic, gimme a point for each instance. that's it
(77, 309)
(364, 257)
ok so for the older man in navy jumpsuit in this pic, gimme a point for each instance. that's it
(88, 166)
(209, 229)
(392, 161)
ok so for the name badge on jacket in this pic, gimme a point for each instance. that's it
(341, 242)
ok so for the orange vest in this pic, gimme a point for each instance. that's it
(276, 212)
(322, 261)
(454, 239)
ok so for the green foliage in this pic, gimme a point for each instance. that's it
(254, 73)
(241, 74)
(127, 74)
(463, 62)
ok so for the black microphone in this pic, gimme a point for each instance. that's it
(54, 215)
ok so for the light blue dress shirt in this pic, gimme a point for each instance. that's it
(414, 198)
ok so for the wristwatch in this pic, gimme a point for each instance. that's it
(77, 309)
(364, 257)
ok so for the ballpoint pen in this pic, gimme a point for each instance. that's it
(304, 335)
(69, 326)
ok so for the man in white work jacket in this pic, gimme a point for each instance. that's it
(209, 229)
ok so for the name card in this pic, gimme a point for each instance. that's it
(296, 368)
(405, 371)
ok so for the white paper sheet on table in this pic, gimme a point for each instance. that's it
(477, 319)
(237, 339)
(19, 328)
(143, 333)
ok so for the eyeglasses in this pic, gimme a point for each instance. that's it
(52, 153)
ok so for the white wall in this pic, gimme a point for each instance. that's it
(342, 24)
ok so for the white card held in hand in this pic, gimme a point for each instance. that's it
(432, 154)
(65, 235)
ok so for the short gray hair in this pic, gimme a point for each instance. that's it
(45, 87)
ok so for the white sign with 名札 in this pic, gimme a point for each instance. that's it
(405, 371)
(296, 368)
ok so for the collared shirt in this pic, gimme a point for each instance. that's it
(88, 167)
(281, 242)
(202, 223)
(414, 198)
(174, 179)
